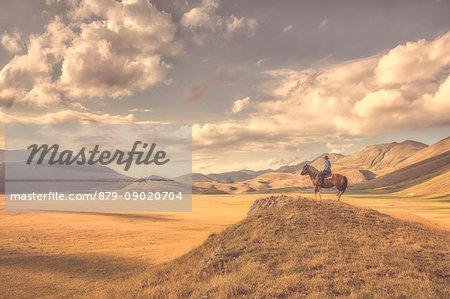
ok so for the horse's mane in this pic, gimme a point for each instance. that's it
(313, 170)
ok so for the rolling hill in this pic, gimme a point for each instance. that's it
(382, 158)
(427, 152)
(295, 247)
(408, 176)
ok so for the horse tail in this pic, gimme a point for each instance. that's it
(344, 185)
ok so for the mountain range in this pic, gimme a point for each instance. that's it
(408, 167)
(379, 168)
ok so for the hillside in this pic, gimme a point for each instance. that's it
(378, 168)
(334, 158)
(408, 176)
(381, 158)
(428, 152)
(295, 247)
(194, 177)
(438, 185)
(224, 177)
(292, 168)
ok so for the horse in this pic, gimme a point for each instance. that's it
(336, 180)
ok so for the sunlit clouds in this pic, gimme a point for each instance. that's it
(240, 105)
(353, 98)
(96, 49)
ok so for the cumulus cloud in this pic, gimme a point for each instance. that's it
(240, 105)
(12, 42)
(333, 103)
(414, 62)
(95, 49)
(198, 90)
(204, 20)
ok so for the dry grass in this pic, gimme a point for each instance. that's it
(78, 254)
(83, 255)
(301, 247)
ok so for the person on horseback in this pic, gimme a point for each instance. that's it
(326, 170)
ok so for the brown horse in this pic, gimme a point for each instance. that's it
(336, 180)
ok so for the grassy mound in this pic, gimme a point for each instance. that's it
(295, 247)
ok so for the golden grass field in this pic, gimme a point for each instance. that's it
(84, 254)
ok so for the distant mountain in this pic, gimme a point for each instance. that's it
(382, 158)
(408, 176)
(380, 167)
(426, 171)
(195, 177)
(256, 173)
(292, 168)
(44, 177)
(225, 177)
(319, 161)
(437, 148)
(231, 176)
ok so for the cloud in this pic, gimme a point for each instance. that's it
(261, 62)
(12, 42)
(204, 21)
(288, 28)
(240, 105)
(336, 103)
(94, 49)
(201, 16)
(198, 90)
(78, 106)
(140, 110)
(337, 148)
(69, 116)
(414, 62)
(323, 23)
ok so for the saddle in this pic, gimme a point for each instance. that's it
(328, 176)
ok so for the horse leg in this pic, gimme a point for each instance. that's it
(338, 195)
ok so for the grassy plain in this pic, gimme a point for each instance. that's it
(82, 254)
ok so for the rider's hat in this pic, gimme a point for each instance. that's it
(325, 157)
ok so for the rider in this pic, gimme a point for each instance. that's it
(326, 170)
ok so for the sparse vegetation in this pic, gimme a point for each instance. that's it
(293, 247)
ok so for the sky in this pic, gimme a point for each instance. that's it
(263, 83)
